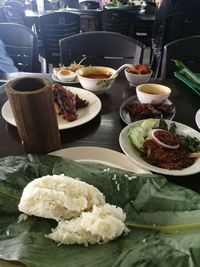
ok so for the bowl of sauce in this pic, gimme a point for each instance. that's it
(152, 93)
(96, 79)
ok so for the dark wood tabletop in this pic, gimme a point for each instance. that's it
(104, 129)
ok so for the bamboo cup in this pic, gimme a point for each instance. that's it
(32, 104)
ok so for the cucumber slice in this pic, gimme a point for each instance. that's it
(136, 135)
(147, 126)
(149, 123)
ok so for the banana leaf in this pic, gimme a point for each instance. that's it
(163, 218)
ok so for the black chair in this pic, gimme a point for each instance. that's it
(102, 48)
(16, 4)
(21, 45)
(176, 27)
(186, 50)
(54, 27)
(89, 5)
(2, 16)
(116, 21)
(14, 15)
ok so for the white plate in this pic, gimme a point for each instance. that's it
(101, 155)
(84, 114)
(125, 114)
(134, 154)
(197, 118)
(55, 78)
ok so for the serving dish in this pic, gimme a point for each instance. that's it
(90, 154)
(124, 114)
(152, 93)
(55, 79)
(96, 79)
(134, 154)
(137, 79)
(84, 114)
(197, 118)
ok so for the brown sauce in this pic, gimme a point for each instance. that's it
(168, 138)
(97, 75)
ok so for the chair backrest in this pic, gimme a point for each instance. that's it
(21, 45)
(89, 5)
(16, 4)
(186, 50)
(179, 26)
(14, 15)
(55, 26)
(176, 27)
(116, 21)
(2, 16)
(102, 48)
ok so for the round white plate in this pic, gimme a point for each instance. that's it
(124, 114)
(197, 118)
(101, 155)
(84, 114)
(134, 154)
(55, 78)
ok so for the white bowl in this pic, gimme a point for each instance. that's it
(96, 85)
(136, 79)
(152, 93)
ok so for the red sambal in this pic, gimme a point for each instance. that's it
(166, 137)
(172, 159)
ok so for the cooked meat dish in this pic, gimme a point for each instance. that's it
(67, 102)
(139, 111)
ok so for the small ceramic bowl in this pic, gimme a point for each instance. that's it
(96, 78)
(136, 79)
(152, 93)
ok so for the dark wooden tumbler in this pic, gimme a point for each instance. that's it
(32, 104)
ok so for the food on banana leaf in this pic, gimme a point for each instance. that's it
(59, 197)
(102, 224)
(163, 218)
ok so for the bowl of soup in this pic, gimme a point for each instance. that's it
(96, 79)
(152, 93)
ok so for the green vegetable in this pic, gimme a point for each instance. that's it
(163, 218)
(162, 123)
(136, 135)
(172, 127)
(190, 143)
(185, 70)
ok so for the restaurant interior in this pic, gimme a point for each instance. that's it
(99, 134)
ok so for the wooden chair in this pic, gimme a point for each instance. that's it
(176, 27)
(54, 27)
(186, 50)
(102, 48)
(21, 45)
(116, 21)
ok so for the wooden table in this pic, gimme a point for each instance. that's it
(104, 130)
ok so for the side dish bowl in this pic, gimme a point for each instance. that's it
(152, 93)
(96, 78)
(137, 79)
